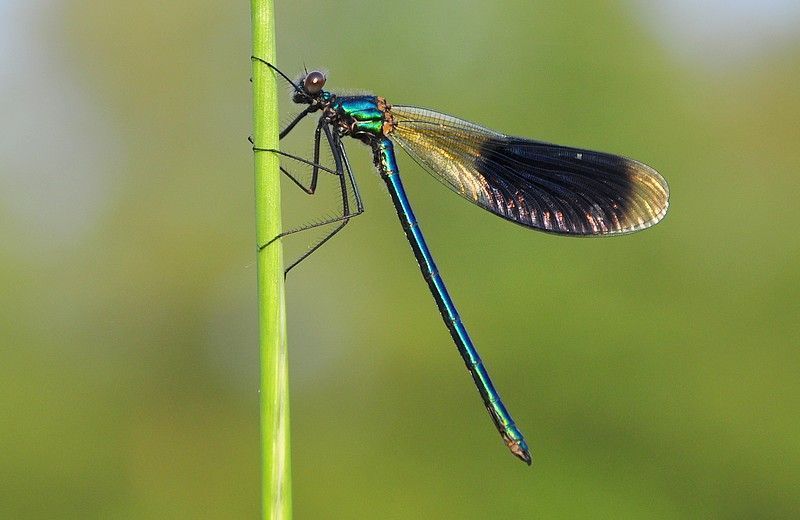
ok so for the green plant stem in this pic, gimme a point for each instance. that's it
(276, 489)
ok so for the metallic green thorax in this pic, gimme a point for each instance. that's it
(363, 117)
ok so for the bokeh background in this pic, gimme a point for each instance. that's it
(654, 375)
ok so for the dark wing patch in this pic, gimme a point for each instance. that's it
(552, 188)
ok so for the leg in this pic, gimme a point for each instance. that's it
(315, 163)
(294, 122)
(337, 155)
(342, 167)
(314, 169)
(351, 178)
(299, 117)
(337, 152)
(343, 220)
(340, 157)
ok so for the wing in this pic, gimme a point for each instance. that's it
(552, 188)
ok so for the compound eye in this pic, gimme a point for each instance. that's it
(314, 82)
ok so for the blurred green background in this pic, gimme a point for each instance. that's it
(654, 375)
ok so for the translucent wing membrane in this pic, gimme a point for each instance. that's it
(552, 188)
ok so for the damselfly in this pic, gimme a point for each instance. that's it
(547, 187)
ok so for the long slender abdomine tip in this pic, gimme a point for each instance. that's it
(520, 450)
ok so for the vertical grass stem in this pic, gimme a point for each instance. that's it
(276, 461)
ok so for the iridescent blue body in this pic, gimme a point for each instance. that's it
(543, 186)
(513, 438)
(365, 118)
